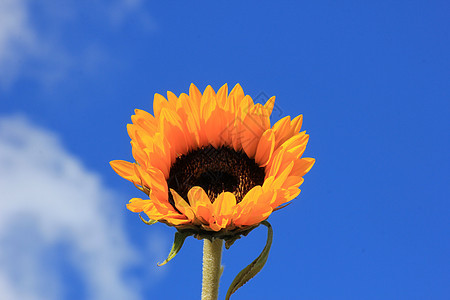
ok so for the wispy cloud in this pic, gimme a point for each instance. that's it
(17, 39)
(57, 223)
(35, 36)
(121, 10)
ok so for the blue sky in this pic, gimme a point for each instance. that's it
(371, 79)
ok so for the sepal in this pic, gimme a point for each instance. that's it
(149, 222)
(176, 247)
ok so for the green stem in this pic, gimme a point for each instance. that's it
(212, 256)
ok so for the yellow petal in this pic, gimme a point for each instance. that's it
(208, 104)
(125, 169)
(195, 95)
(138, 154)
(284, 196)
(159, 102)
(200, 203)
(275, 164)
(249, 200)
(282, 130)
(222, 97)
(236, 96)
(182, 205)
(296, 124)
(153, 213)
(269, 105)
(224, 203)
(144, 121)
(137, 205)
(172, 98)
(165, 212)
(189, 114)
(254, 208)
(223, 208)
(283, 175)
(176, 221)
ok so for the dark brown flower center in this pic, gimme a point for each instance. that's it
(215, 170)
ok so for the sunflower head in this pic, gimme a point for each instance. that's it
(211, 164)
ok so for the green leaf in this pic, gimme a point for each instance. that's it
(149, 222)
(176, 247)
(252, 269)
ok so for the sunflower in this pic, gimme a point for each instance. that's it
(211, 163)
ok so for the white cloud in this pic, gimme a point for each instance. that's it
(27, 52)
(54, 212)
(40, 50)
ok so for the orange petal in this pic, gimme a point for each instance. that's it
(155, 180)
(293, 182)
(155, 160)
(170, 125)
(265, 148)
(242, 108)
(255, 123)
(164, 208)
(161, 147)
(258, 215)
(216, 128)
(302, 166)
